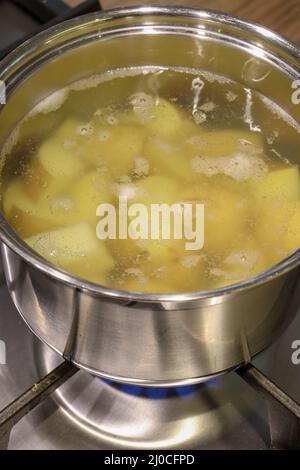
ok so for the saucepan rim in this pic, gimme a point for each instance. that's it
(11, 239)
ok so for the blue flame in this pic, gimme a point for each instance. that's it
(185, 391)
(158, 393)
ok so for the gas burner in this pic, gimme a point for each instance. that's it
(127, 416)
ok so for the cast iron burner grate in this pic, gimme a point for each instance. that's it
(283, 411)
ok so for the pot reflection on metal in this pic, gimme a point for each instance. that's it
(130, 416)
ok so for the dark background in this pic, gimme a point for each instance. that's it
(282, 16)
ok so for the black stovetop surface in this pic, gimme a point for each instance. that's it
(21, 19)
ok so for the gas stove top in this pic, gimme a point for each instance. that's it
(89, 413)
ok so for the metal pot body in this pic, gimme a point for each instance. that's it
(141, 338)
(150, 343)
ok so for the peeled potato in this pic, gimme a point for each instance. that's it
(278, 185)
(292, 235)
(165, 119)
(55, 164)
(185, 273)
(76, 249)
(147, 191)
(88, 192)
(160, 190)
(116, 147)
(225, 214)
(271, 228)
(30, 216)
(157, 190)
(57, 155)
(221, 143)
(245, 261)
(167, 158)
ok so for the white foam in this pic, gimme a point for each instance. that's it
(9, 145)
(231, 96)
(208, 107)
(58, 204)
(130, 191)
(85, 129)
(143, 105)
(245, 258)
(52, 103)
(141, 166)
(239, 166)
(190, 261)
(197, 86)
(248, 112)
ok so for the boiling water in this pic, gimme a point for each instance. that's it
(156, 136)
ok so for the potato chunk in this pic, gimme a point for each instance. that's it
(56, 163)
(278, 185)
(30, 217)
(184, 275)
(292, 235)
(75, 249)
(222, 143)
(169, 159)
(88, 192)
(157, 190)
(244, 261)
(271, 228)
(226, 215)
(165, 119)
(58, 156)
(115, 147)
(147, 191)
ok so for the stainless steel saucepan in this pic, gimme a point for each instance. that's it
(133, 337)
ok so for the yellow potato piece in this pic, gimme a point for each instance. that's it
(185, 273)
(245, 261)
(157, 190)
(152, 190)
(225, 215)
(150, 150)
(168, 158)
(278, 185)
(88, 192)
(166, 120)
(292, 235)
(30, 216)
(75, 249)
(222, 143)
(115, 147)
(58, 155)
(160, 190)
(278, 228)
(57, 162)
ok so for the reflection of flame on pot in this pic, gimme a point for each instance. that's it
(159, 393)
